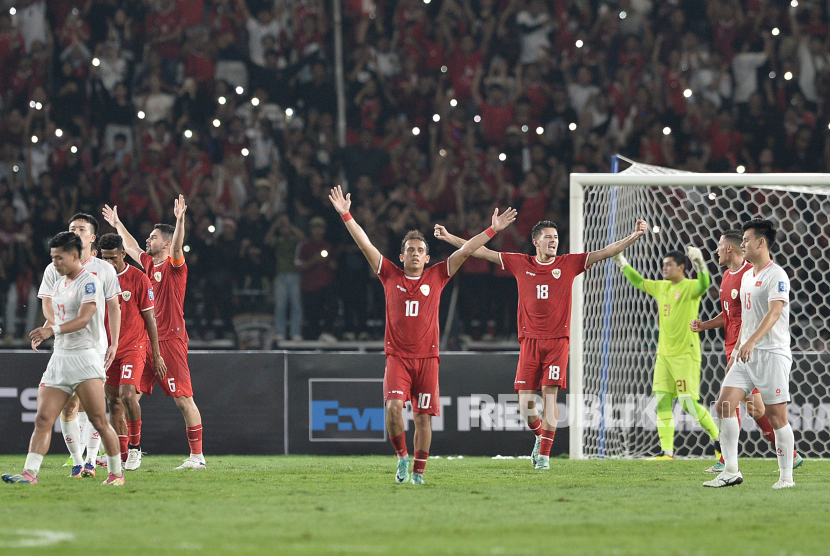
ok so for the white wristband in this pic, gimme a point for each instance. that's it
(56, 328)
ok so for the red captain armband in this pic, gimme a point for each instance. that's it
(491, 233)
(346, 217)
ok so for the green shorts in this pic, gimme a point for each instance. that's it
(678, 375)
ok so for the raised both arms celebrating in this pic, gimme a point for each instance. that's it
(441, 233)
(342, 204)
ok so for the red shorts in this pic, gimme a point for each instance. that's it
(542, 363)
(729, 350)
(176, 382)
(415, 380)
(128, 368)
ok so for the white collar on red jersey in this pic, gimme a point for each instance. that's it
(743, 266)
(536, 258)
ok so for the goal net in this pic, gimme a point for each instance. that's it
(614, 325)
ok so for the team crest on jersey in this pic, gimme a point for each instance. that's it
(157, 276)
(556, 273)
(425, 289)
(126, 295)
(677, 295)
(734, 294)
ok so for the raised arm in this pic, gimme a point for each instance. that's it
(703, 278)
(176, 247)
(631, 275)
(342, 205)
(499, 222)
(130, 244)
(480, 253)
(618, 246)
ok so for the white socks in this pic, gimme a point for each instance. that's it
(114, 464)
(33, 461)
(83, 423)
(729, 433)
(72, 437)
(784, 445)
(92, 445)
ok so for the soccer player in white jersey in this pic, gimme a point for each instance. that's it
(763, 359)
(77, 364)
(74, 423)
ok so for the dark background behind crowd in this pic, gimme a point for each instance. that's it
(452, 107)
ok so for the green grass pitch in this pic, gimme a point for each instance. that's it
(350, 505)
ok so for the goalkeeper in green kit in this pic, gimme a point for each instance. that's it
(677, 369)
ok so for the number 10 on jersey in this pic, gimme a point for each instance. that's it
(412, 308)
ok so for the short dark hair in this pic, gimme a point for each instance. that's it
(536, 231)
(166, 231)
(733, 236)
(86, 218)
(762, 228)
(68, 242)
(111, 241)
(678, 257)
(414, 234)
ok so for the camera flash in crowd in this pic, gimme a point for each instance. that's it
(96, 62)
(579, 43)
(540, 130)
(59, 132)
(141, 114)
(216, 123)
(416, 131)
(221, 100)
(239, 90)
(667, 130)
(741, 169)
(245, 152)
(324, 253)
(255, 101)
(572, 126)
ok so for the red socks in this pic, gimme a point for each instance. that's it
(134, 429)
(547, 442)
(123, 440)
(194, 438)
(536, 426)
(766, 429)
(399, 443)
(420, 461)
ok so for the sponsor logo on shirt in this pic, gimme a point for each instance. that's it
(677, 295)
(126, 295)
(556, 273)
(400, 288)
(425, 289)
(530, 273)
(157, 276)
(782, 286)
(89, 289)
(734, 294)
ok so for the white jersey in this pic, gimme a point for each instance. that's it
(757, 290)
(97, 267)
(67, 298)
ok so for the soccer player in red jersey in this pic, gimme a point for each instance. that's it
(730, 255)
(413, 296)
(544, 318)
(138, 331)
(165, 266)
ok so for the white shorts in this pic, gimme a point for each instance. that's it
(768, 372)
(69, 368)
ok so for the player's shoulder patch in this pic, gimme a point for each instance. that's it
(783, 286)
(89, 288)
(150, 293)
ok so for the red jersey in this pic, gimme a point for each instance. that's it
(169, 282)
(136, 297)
(412, 309)
(730, 304)
(545, 292)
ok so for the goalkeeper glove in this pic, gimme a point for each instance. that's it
(620, 260)
(696, 256)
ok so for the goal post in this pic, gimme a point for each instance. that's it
(614, 326)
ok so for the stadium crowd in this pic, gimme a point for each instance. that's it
(452, 107)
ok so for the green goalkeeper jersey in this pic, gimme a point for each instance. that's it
(679, 304)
